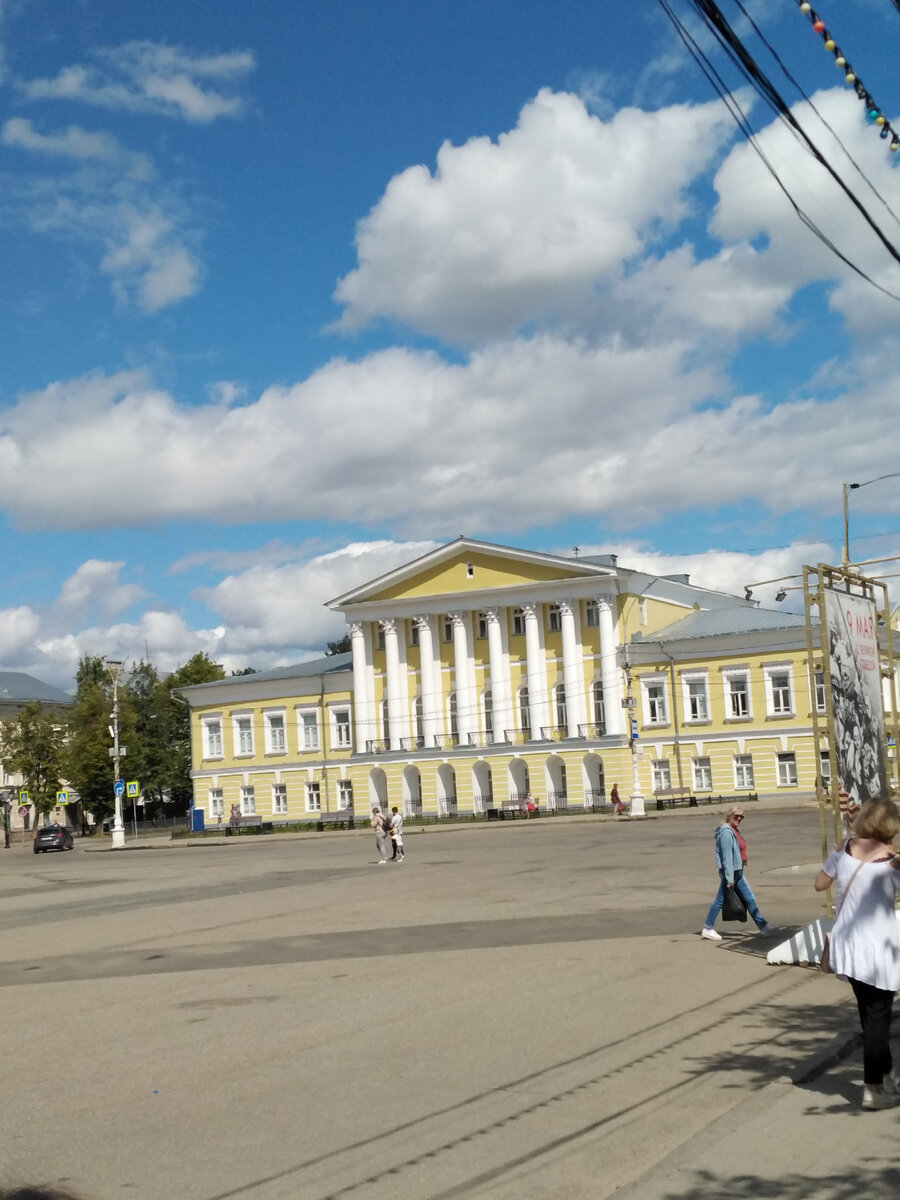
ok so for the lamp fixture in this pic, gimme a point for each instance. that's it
(748, 593)
(780, 595)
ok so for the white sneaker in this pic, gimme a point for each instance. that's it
(766, 929)
(711, 935)
(878, 1097)
(382, 862)
(891, 1085)
(400, 858)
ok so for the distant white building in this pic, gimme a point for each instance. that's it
(16, 690)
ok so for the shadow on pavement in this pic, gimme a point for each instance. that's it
(872, 1181)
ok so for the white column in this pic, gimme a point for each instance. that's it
(363, 700)
(609, 671)
(573, 670)
(432, 720)
(464, 674)
(498, 657)
(392, 671)
(535, 668)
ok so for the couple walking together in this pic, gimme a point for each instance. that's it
(385, 829)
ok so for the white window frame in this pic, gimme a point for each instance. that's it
(345, 793)
(598, 706)
(689, 680)
(518, 622)
(743, 772)
(414, 633)
(447, 630)
(729, 677)
(269, 716)
(207, 724)
(701, 768)
(786, 767)
(661, 774)
(818, 697)
(554, 618)
(313, 796)
(215, 802)
(523, 709)
(279, 799)
(341, 731)
(560, 707)
(775, 698)
(591, 614)
(481, 626)
(303, 728)
(656, 707)
(825, 769)
(238, 720)
(248, 801)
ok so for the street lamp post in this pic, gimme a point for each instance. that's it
(847, 489)
(115, 753)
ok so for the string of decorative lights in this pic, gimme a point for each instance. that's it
(716, 22)
(874, 114)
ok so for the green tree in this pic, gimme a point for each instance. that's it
(148, 752)
(88, 764)
(33, 746)
(340, 647)
(177, 726)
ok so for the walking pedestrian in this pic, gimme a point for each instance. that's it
(864, 948)
(379, 824)
(616, 800)
(234, 819)
(397, 834)
(731, 860)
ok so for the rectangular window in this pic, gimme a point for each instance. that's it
(448, 629)
(279, 798)
(414, 633)
(481, 626)
(591, 614)
(662, 776)
(554, 618)
(275, 739)
(656, 704)
(599, 706)
(243, 735)
(313, 799)
(820, 691)
(698, 703)
(743, 771)
(341, 727)
(345, 793)
(248, 802)
(787, 770)
(518, 619)
(379, 638)
(702, 775)
(778, 689)
(825, 769)
(309, 731)
(737, 696)
(216, 803)
(212, 738)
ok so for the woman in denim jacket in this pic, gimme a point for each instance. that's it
(731, 858)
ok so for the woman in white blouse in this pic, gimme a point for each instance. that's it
(865, 949)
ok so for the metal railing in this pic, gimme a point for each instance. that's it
(596, 801)
(553, 733)
(412, 743)
(447, 805)
(445, 741)
(592, 731)
(375, 747)
(517, 737)
(557, 801)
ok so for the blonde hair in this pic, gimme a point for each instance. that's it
(877, 819)
(735, 811)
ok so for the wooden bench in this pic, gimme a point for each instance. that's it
(339, 816)
(513, 809)
(254, 822)
(674, 796)
(741, 798)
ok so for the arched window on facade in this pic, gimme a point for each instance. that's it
(524, 711)
(598, 705)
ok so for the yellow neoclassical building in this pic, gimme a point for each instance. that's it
(480, 674)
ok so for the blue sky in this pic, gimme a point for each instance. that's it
(292, 292)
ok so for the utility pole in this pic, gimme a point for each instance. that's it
(116, 752)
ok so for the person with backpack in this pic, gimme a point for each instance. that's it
(396, 830)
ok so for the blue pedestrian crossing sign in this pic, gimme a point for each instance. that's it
(119, 787)
(23, 798)
(132, 789)
(62, 798)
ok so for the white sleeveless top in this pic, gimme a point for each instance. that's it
(864, 942)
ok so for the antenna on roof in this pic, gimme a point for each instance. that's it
(576, 550)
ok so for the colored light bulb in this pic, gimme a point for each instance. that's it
(819, 26)
(839, 60)
(850, 77)
(804, 7)
(829, 43)
(879, 120)
(895, 143)
(872, 114)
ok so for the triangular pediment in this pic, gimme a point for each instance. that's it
(467, 565)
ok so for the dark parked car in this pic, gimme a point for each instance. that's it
(53, 837)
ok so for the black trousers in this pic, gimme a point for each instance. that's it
(874, 1006)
